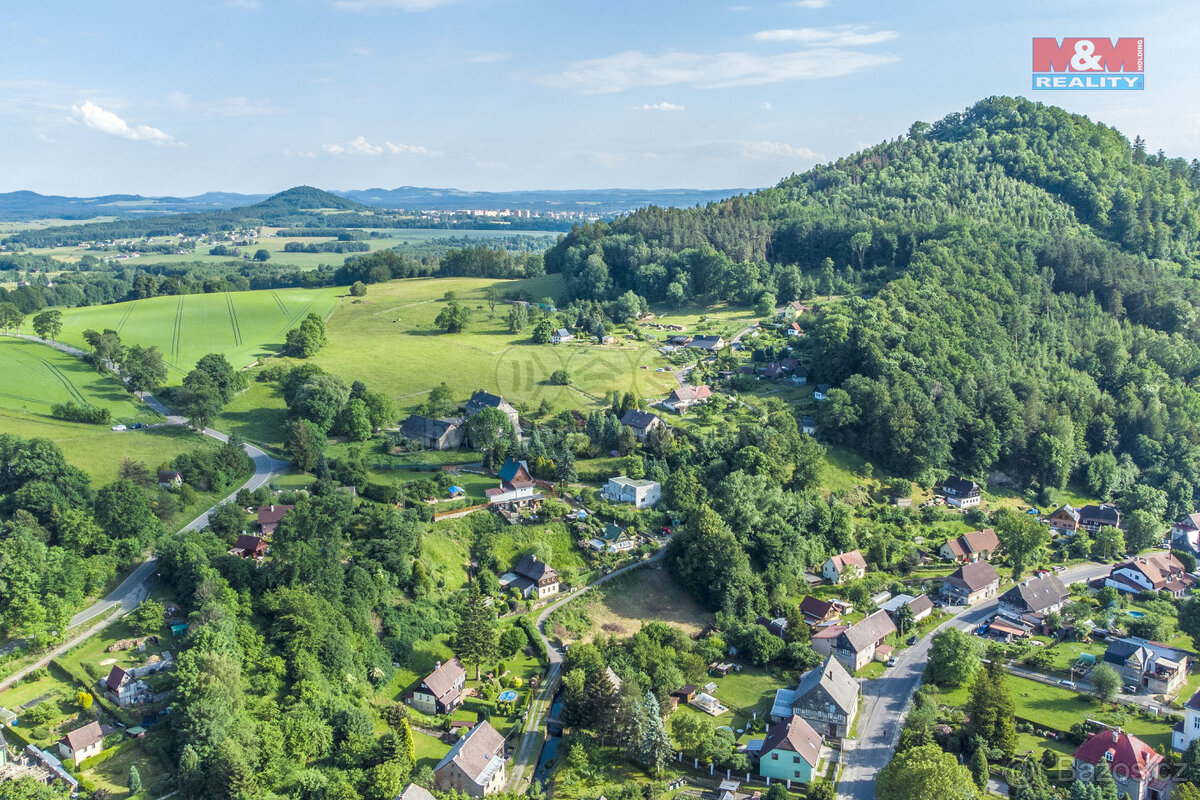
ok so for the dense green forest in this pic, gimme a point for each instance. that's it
(1027, 294)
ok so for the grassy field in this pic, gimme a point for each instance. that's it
(389, 341)
(621, 606)
(242, 325)
(39, 376)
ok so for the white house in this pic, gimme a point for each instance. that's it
(82, 743)
(561, 335)
(844, 565)
(1188, 730)
(961, 493)
(642, 493)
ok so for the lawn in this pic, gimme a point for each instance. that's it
(242, 325)
(146, 754)
(257, 415)
(429, 750)
(742, 693)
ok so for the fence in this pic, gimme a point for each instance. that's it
(458, 512)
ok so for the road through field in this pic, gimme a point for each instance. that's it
(135, 587)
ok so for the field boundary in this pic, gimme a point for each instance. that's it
(233, 320)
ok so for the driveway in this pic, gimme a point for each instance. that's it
(885, 700)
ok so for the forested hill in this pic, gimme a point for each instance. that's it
(1032, 285)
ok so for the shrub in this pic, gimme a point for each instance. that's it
(81, 412)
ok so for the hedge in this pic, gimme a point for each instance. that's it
(100, 758)
(535, 640)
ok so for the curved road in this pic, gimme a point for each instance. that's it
(523, 752)
(133, 589)
(885, 700)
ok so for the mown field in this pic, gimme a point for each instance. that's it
(389, 341)
(242, 325)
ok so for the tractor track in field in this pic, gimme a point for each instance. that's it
(233, 321)
(291, 323)
(125, 317)
(282, 308)
(177, 333)
(72, 391)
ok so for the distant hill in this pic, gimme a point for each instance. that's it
(23, 206)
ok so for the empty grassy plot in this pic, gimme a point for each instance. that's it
(389, 340)
(619, 607)
(241, 325)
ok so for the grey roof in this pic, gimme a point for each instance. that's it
(705, 342)
(831, 676)
(415, 792)
(428, 427)
(479, 754)
(868, 631)
(638, 419)
(960, 487)
(1103, 515)
(1037, 594)
(974, 576)
(534, 569)
(1119, 650)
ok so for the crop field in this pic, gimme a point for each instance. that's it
(389, 341)
(185, 328)
(37, 376)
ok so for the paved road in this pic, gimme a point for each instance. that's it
(522, 753)
(885, 699)
(135, 587)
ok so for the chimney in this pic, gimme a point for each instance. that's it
(1116, 734)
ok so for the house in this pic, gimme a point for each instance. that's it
(794, 329)
(791, 752)
(82, 743)
(434, 434)
(561, 335)
(710, 343)
(817, 612)
(248, 546)
(516, 486)
(642, 493)
(615, 539)
(1151, 665)
(821, 392)
(1133, 763)
(971, 583)
(642, 422)
(1093, 518)
(685, 397)
(855, 647)
(826, 698)
(1161, 572)
(1187, 730)
(442, 689)
(35, 765)
(921, 606)
(971, 546)
(481, 400)
(1185, 534)
(775, 626)
(799, 376)
(532, 578)
(269, 517)
(474, 765)
(825, 639)
(1042, 594)
(123, 688)
(686, 694)
(808, 425)
(961, 493)
(415, 792)
(1065, 520)
(844, 566)
(169, 478)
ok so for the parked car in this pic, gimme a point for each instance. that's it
(137, 426)
(1130, 688)
(892, 661)
(118, 427)
(1067, 683)
(911, 640)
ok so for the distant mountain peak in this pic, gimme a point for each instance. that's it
(307, 197)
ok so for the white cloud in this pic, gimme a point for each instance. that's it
(812, 3)
(361, 147)
(662, 107)
(93, 116)
(766, 106)
(249, 5)
(840, 36)
(776, 150)
(397, 5)
(632, 68)
(362, 51)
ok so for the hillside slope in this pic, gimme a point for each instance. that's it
(1033, 287)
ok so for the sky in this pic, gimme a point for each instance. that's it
(179, 97)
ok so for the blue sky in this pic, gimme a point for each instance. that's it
(258, 95)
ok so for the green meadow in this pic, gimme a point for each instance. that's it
(242, 325)
(37, 376)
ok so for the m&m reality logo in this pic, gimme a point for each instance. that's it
(1094, 62)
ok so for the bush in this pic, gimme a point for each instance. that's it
(81, 412)
(484, 708)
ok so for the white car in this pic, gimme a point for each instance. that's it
(119, 427)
